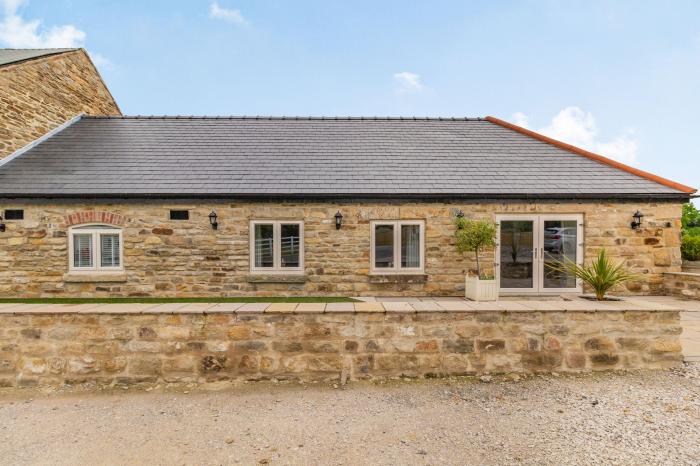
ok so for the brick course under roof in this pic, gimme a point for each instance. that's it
(335, 157)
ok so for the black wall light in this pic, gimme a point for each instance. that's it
(338, 220)
(212, 220)
(637, 222)
(2, 225)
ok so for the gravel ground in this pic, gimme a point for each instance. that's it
(630, 418)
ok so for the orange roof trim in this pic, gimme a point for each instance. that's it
(592, 156)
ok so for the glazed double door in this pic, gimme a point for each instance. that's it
(529, 245)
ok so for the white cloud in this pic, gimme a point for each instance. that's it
(407, 82)
(101, 61)
(226, 14)
(17, 32)
(520, 119)
(577, 127)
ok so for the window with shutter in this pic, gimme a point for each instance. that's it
(95, 248)
(109, 250)
(82, 250)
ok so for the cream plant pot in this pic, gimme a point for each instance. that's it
(480, 290)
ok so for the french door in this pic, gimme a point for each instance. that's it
(529, 244)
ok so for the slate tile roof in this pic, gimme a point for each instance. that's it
(8, 56)
(260, 156)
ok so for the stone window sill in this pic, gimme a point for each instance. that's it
(281, 278)
(94, 278)
(398, 278)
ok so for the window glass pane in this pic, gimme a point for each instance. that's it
(264, 242)
(109, 250)
(560, 245)
(82, 250)
(384, 246)
(410, 246)
(517, 247)
(289, 243)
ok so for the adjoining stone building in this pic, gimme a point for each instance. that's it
(40, 89)
(236, 206)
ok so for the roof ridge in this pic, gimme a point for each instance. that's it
(593, 156)
(276, 118)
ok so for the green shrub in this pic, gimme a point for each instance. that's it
(474, 236)
(601, 275)
(692, 231)
(690, 248)
(691, 216)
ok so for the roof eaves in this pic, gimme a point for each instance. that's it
(40, 139)
(593, 156)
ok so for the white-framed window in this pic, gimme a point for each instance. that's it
(95, 248)
(277, 246)
(397, 246)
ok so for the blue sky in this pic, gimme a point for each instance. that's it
(619, 78)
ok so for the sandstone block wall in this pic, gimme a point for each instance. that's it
(38, 95)
(55, 349)
(189, 258)
(683, 284)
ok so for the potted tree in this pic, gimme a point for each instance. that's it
(476, 236)
(601, 275)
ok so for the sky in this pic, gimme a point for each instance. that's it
(620, 78)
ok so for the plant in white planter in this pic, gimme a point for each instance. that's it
(476, 236)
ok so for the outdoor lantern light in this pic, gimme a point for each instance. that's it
(637, 222)
(338, 220)
(212, 220)
(2, 225)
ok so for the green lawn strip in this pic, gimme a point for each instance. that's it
(274, 299)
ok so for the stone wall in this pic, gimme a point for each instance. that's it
(70, 347)
(38, 95)
(189, 258)
(684, 284)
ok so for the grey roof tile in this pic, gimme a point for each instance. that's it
(124, 156)
(8, 56)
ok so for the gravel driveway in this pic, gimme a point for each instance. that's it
(632, 418)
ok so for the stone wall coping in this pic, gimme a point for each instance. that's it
(684, 274)
(395, 307)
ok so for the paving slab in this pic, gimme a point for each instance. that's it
(398, 306)
(340, 307)
(542, 305)
(426, 306)
(196, 308)
(224, 307)
(253, 308)
(119, 308)
(310, 308)
(369, 307)
(454, 305)
(165, 308)
(281, 307)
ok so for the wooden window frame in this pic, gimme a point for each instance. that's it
(397, 269)
(276, 247)
(95, 232)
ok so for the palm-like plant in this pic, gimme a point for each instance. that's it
(601, 274)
